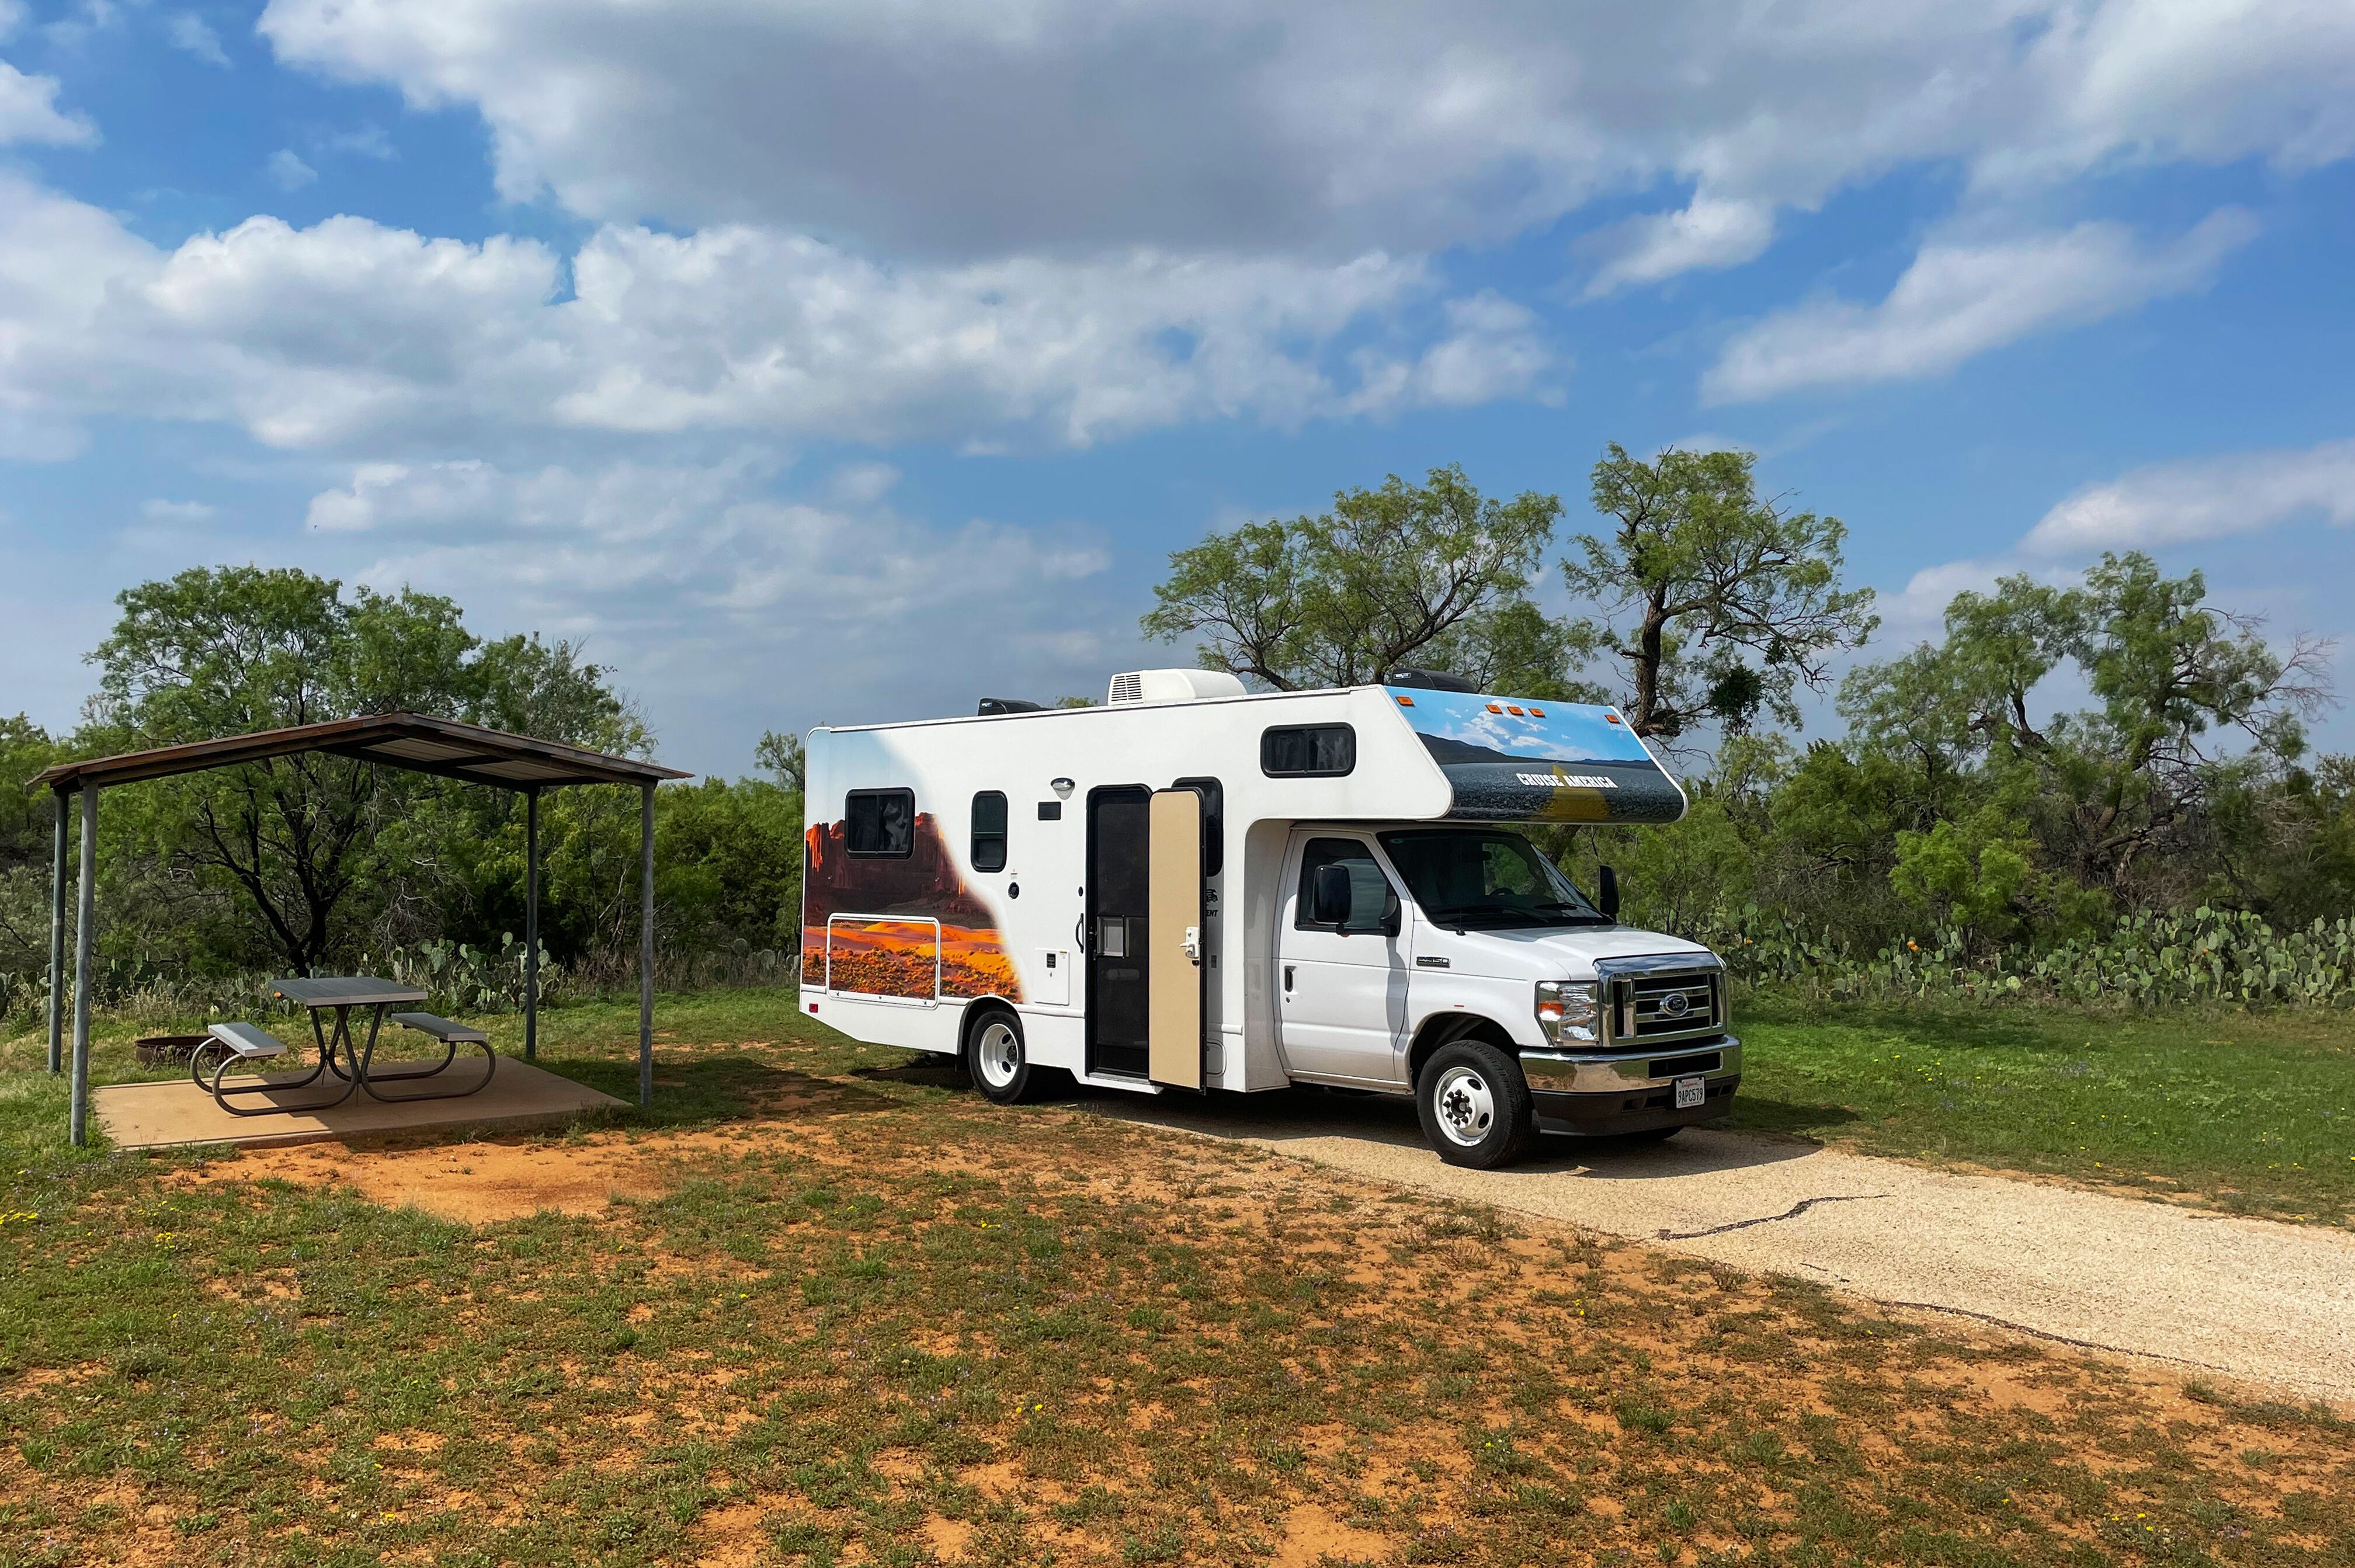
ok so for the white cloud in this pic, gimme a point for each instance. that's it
(287, 171)
(1325, 127)
(362, 142)
(2207, 499)
(76, 28)
(58, 261)
(716, 592)
(1707, 233)
(167, 513)
(861, 483)
(192, 34)
(1493, 350)
(28, 112)
(349, 334)
(1961, 298)
(1918, 611)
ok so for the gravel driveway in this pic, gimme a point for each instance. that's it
(2250, 1299)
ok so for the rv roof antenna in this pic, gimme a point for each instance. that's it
(1429, 680)
(990, 705)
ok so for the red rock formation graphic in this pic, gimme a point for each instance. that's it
(898, 956)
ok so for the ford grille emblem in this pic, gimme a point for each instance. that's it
(1676, 1004)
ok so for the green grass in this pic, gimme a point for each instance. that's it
(873, 1320)
(2249, 1112)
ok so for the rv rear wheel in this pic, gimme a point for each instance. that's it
(995, 1057)
(1475, 1104)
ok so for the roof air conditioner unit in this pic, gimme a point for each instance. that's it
(1172, 686)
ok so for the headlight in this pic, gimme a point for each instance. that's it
(1566, 1011)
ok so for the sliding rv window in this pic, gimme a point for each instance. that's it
(989, 831)
(880, 822)
(1309, 750)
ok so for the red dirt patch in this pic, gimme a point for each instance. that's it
(478, 1183)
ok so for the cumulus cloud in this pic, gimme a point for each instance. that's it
(706, 582)
(287, 170)
(942, 127)
(1961, 298)
(192, 34)
(2207, 499)
(1493, 350)
(28, 111)
(1706, 233)
(167, 513)
(352, 333)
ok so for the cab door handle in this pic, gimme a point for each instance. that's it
(1287, 979)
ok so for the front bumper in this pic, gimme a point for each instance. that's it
(1630, 1091)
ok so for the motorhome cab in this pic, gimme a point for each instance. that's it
(1194, 888)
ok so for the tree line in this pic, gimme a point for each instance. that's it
(300, 863)
(2060, 757)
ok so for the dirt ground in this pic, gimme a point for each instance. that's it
(2223, 1296)
(1663, 1387)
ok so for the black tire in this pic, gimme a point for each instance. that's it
(1475, 1106)
(998, 1061)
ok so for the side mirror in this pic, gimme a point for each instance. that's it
(1607, 893)
(1393, 913)
(1328, 896)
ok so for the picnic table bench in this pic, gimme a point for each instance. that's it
(236, 1043)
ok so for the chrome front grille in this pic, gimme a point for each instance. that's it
(1649, 1003)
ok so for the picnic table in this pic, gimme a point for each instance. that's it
(339, 1055)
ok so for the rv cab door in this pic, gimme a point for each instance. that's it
(1344, 968)
(1174, 966)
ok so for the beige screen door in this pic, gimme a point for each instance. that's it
(1173, 930)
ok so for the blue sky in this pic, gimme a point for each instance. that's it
(844, 362)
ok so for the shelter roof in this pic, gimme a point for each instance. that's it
(416, 741)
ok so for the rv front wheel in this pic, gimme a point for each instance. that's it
(1475, 1104)
(995, 1057)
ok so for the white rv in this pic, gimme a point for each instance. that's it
(1194, 888)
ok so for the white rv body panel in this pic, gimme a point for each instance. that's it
(948, 867)
(1035, 902)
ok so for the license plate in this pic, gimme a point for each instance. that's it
(1690, 1092)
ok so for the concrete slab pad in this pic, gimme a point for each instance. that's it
(177, 1114)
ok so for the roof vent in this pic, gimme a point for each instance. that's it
(1172, 686)
(993, 706)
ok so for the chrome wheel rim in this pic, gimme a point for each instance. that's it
(1466, 1105)
(997, 1054)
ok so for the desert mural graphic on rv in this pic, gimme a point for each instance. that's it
(892, 925)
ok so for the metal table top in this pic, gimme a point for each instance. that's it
(345, 991)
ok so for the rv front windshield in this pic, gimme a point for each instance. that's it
(1485, 877)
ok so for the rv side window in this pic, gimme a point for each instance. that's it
(1309, 750)
(989, 831)
(880, 822)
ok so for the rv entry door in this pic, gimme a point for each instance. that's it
(1174, 937)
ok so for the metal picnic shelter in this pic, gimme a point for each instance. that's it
(415, 741)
